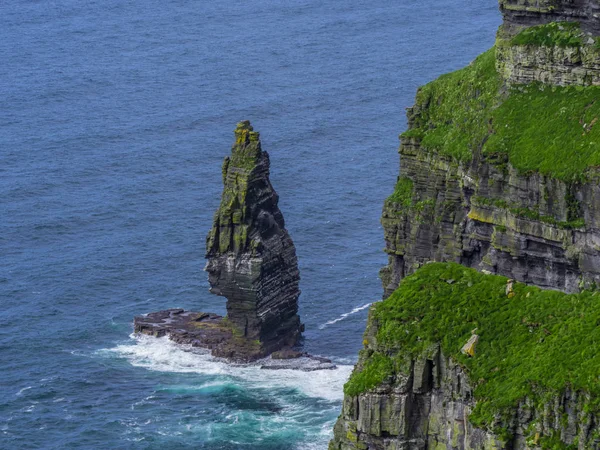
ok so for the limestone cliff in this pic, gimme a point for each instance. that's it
(499, 172)
(527, 13)
(251, 257)
(531, 381)
(499, 164)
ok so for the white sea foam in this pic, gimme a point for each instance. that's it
(343, 316)
(23, 390)
(161, 354)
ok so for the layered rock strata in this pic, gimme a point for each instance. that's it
(251, 257)
(251, 261)
(562, 54)
(527, 13)
(474, 215)
(408, 391)
(485, 212)
(428, 407)
(498, 173)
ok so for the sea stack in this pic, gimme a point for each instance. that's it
(251, 257)
(252, 263)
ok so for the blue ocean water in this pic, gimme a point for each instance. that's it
(114, 120)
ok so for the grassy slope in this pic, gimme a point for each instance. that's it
(533, 344)
(552, 130)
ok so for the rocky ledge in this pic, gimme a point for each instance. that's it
(252, 262)
(216, 334)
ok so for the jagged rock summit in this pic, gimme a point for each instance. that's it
(252, 262)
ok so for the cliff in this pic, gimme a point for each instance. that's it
(499, 172)
(501, 175)
(531, 382)
(252, 262)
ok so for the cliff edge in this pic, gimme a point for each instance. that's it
(456, 359)
(500, 160)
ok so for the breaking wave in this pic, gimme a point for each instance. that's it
(161, 354)
(343, 316)
(249, 407)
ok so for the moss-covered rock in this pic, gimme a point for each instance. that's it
(533, 378)
(251, 257)
(499, 172)
(500, 176)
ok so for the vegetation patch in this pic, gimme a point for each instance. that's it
(530, 214)
(554, 34)
(451, 113)
(403, 192)
(533, 344)
(376, 369)
(547, 129)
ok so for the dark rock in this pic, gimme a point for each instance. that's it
(303, 362)
(251, 257)
(251, 261)
(519, 14)
(286, 354)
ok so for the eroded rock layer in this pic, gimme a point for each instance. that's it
(456, 359)
(428, 407)
(485, 217)
(527, 13)
(215, 333)
(498, 203)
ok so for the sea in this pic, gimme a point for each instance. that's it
(115, 117)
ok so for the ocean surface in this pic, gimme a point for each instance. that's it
(115, 117)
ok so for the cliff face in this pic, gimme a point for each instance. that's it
(499, 172)
(527, 227)
(528, 13)
(251, 257)
(456, 359)
(428, 407)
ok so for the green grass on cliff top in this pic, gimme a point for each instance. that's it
(547, 129)
(534, 344)
(560, 34)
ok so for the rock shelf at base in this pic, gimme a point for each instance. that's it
(215, 333)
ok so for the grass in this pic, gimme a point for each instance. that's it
(554, 34)
(403, 192)
(551, 130)
(534, 344)
(377, 368)
(547, 129)
(451, 113)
